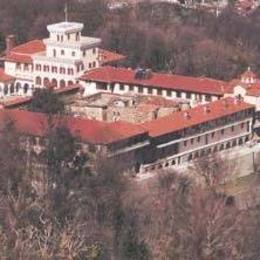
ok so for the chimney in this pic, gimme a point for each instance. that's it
(10, 43)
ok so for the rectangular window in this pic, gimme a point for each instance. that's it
(188, 95)
(168, 93)
(131, 88)
(150, 91)
(185, 143)
(208, 98)
(198, 139)
(54, 69)
(140, 90)
(232, 128)
(73, 54)
(178, 94)
(122, 87)
(222, 131)
(159, 91)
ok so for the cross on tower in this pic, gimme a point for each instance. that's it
(66, 12)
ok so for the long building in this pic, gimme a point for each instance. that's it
(146, 82)
(157, 144)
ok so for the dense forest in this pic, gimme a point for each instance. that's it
(161, 36)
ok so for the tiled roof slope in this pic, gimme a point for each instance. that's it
(90, 131)
(4, 77)
(110, 74)
(22, 53)
(195, 116)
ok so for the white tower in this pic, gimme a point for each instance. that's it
(68, 54)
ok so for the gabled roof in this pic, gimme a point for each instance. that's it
(23, 53)
(195, 116)
(30, 47)
(90, 131)
(4, 77)
(201, 85)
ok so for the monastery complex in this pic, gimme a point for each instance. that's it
(149, 120)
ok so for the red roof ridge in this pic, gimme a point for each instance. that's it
(24, 49)
(88, 130)
(110, 74)
(178, 120)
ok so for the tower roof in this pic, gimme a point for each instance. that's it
(65, 27)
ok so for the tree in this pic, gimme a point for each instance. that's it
(47, 101)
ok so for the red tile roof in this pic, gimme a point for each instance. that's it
(253, 90)
(4, 77)
(194, 116)
(110, 74)
(23, 53)
(108, 57)
(30, 47)
(90, 131)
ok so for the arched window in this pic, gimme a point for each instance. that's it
(5, 90)
(17, 86)
(38, 80)
(62, 52)
(62, 70)
(54, 69)
(11, 88)
(46, 68)
(62, 84)
(70, 83)
(38, 67)
(46, 82)
(54, 83)
(25, 88)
